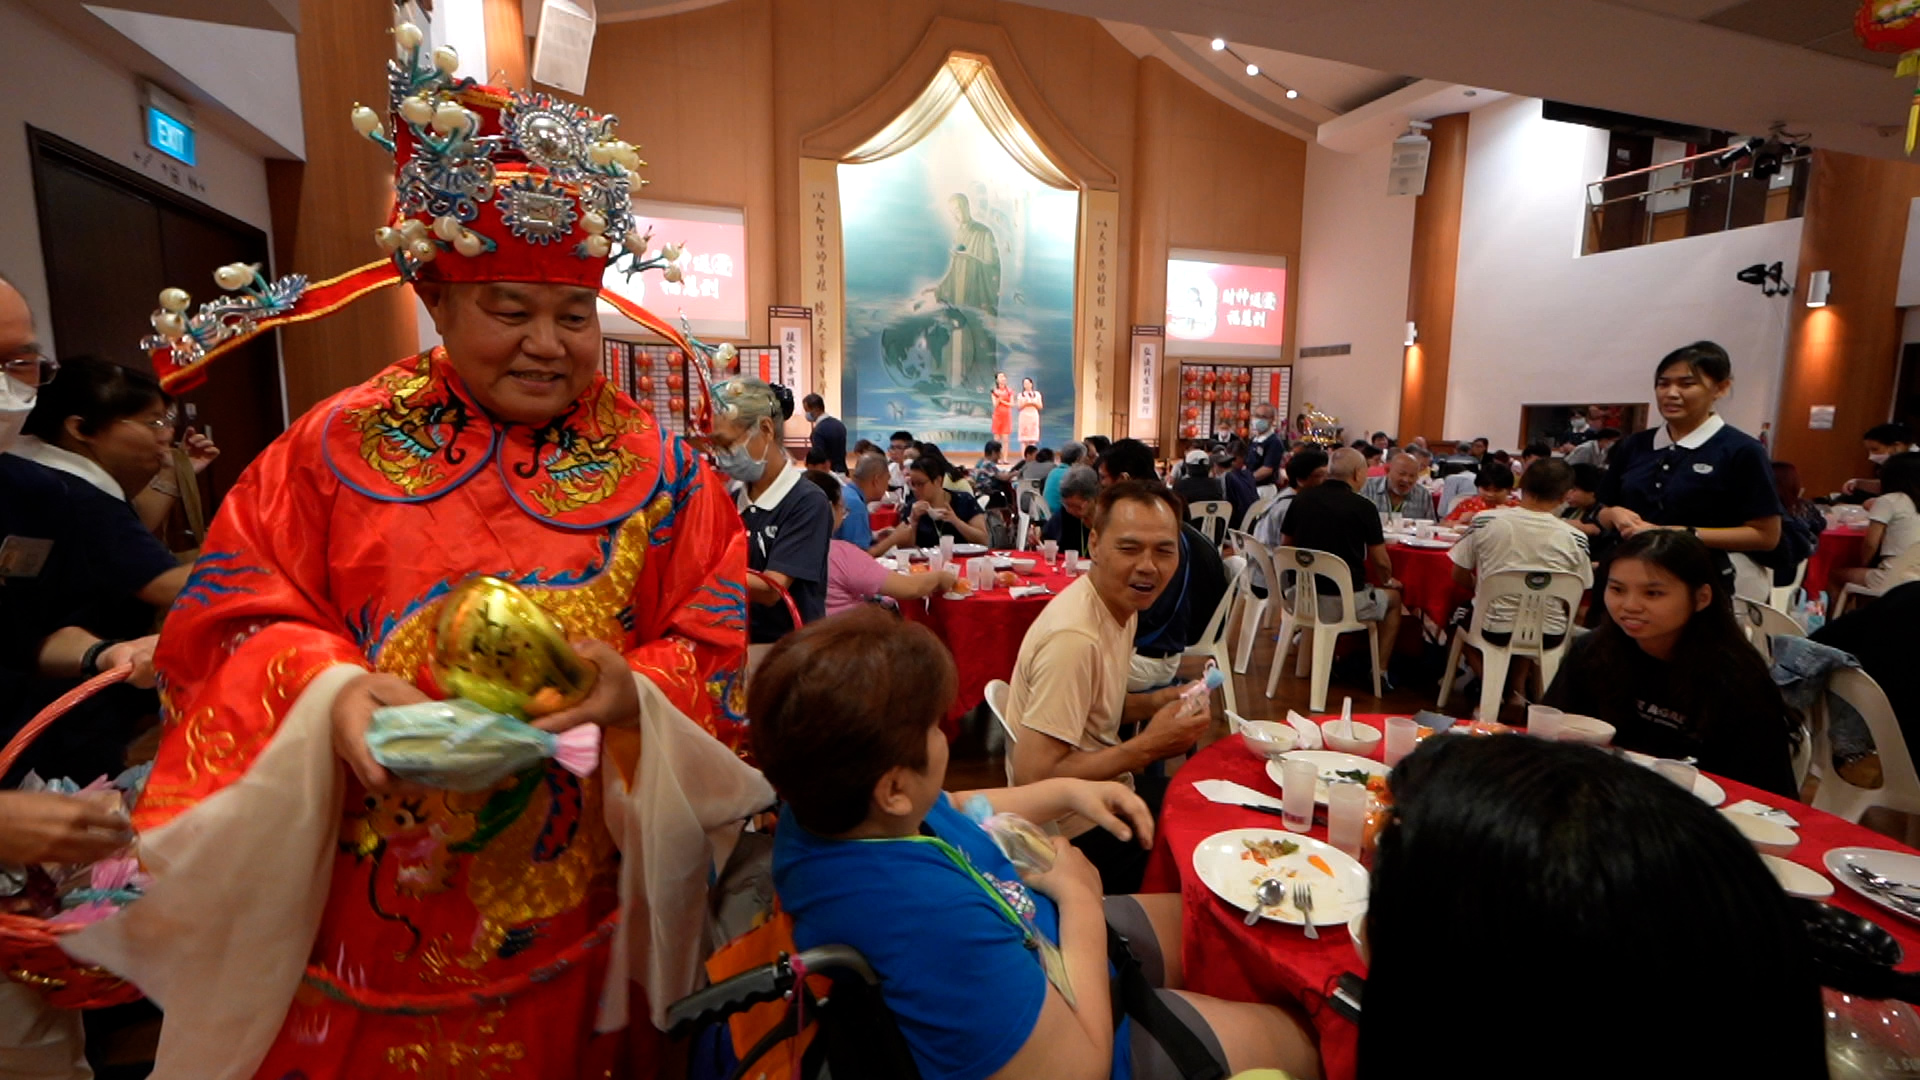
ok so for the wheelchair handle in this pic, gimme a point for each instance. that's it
(768, 982)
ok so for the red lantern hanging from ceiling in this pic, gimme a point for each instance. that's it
(677, 405)
(646, 385)
(1189, 375)
(1893, 26)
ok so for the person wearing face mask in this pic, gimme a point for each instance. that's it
(829, 435)
(1882, 442)
(789, 523)
(36, 827)
(84, 567)
(283, 851)
(1698, 474)
(1265, 452)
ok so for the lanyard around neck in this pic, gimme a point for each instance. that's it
(1029, 933)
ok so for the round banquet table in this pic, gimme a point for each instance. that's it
(1428, 575)
(984, 630)
(1269, 961)
(886, 517)
(1841, 546)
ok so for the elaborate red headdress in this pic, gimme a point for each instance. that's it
(489, 185)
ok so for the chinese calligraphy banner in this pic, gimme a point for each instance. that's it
(711, 294)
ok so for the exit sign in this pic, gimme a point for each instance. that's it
(170, 135)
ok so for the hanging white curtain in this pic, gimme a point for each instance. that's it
(976, 81)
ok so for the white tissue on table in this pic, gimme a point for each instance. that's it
(1226, 791)
(1762, 810)
(1309, 731)
(1021, 592)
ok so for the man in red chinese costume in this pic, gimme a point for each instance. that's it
(309, 920)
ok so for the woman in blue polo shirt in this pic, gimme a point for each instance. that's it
(788, 523)
(1698, 473)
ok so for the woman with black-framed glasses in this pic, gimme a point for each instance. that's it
(79, 556)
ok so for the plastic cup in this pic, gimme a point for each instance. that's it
(1394, 522)
(1346, 816)
(1049, 550)
(1297, 779)
(1424, 530)
(1543, 721)
(946, 548)
(936, 562)
(1677, 771)
(1071, 559)
(1403, 734)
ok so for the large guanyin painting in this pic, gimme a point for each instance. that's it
(959, 265)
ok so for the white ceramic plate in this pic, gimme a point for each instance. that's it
(1222, 863)
(968, 549)
(1798, 880)
(1328, 762)
(1896, 865)
(1430, 545)
(1703, 786)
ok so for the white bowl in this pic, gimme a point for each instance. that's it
(1023, 566)
(1267, 738)
(1584, 729)
(1361, 743)
(1771, 837)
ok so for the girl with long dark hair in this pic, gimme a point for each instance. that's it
(1560, 889)
(1671, 670)
(1893, 524)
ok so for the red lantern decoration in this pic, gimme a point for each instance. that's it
(1894, 27)
(1242, 432)
(1245, 396)
(1191, 431)
(677, 405)
(1209, 378)
(646, 385)
(1193, 393)
(1192, 413)
(1189, 375)
(646, 403)
(676, 382)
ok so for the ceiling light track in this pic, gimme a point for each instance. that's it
(1253, 70)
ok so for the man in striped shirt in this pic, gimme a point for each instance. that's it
(1399, 492)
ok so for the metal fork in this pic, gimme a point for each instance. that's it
(1303, 899)
(1885, 884)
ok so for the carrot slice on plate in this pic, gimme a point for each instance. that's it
(1320, 864)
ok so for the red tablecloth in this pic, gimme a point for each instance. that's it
(1841, 546)
(1269, 961)
(884, 518)
(984, 630)
(1428, 575)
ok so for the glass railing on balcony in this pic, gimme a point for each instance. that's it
(1694, 196)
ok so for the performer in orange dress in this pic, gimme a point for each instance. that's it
(309, 921)
(1002, 409)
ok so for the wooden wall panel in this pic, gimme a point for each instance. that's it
(1847, 353)
(507, 53)
(1430, 284)
(326, 208)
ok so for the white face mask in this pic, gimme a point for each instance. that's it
(16, 401)
(1877, 459)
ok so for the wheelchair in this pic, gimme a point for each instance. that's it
(855, 1038)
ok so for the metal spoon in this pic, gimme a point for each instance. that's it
(1900, 889)
(1268, 894)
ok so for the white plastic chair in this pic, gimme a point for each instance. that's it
(1253, 609)
(1782, 596)
(1903, 568)
(1211, 517)
(1030, 504)
(1899, 787)
(997, 705)
(1532, 591)
(1301, 568)
(1258, 510)
(1212, 642)
(1762, 621)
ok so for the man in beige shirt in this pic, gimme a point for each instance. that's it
(1069, 692)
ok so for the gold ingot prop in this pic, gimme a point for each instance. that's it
(496, 648)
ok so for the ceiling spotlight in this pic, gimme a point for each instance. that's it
(1292, 93)
(1253, 69)
(1219, 43)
